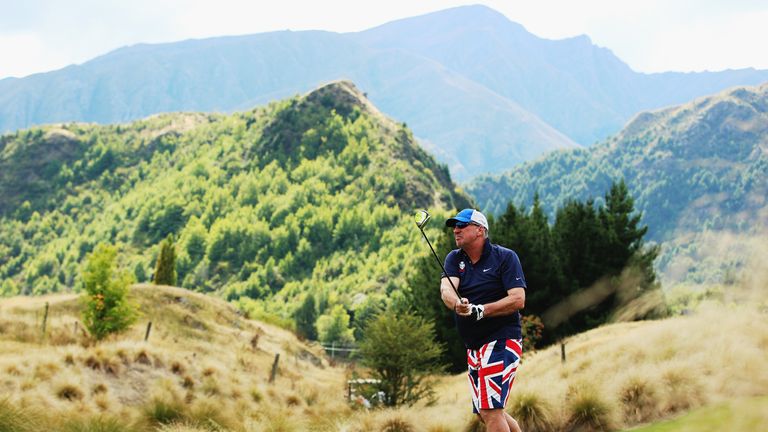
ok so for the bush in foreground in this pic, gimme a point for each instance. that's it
(107, 309)
(401, 351)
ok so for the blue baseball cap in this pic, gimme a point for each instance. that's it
(468, 216)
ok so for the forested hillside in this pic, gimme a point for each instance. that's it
(696, 168)
(309, 194)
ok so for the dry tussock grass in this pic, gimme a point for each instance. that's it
(654, 369)
(198, 370)
(206, 373)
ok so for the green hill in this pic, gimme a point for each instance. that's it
(694, 169)
(309, 194)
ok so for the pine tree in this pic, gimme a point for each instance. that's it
(510, 228)
(601, 248)
(541, 264)
(623, 235)
(305, 317)
(579, 238)
(625, 252)
(165, 269)
(581, 245)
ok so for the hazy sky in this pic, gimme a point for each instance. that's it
(649, 35)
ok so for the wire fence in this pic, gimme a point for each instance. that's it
(340, 351)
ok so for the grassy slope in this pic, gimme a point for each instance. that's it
(199, 362)
(200, 354)
(646, 371)
(740, 415)
(626, 374)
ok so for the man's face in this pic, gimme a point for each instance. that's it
(466, 234)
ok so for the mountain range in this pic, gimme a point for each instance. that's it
(696, 168)
(478, 90)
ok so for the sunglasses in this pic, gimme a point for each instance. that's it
(462, 225)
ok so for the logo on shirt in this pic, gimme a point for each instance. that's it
(461, 267)
(485, 270)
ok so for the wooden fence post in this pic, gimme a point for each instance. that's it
(274, 368)
(562, 352)
(45, 318)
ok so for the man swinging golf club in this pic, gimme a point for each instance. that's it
(492, 287)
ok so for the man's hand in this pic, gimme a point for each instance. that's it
(477, 311)
(462, 307)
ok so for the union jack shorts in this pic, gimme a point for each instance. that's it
(492, 370)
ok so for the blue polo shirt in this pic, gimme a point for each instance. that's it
(486, 281)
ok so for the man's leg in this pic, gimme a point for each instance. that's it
(513, 426)
(495, 420)
(495, 424)
(492, 371)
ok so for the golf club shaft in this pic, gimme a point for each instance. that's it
(440, 262)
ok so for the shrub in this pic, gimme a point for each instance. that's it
(401, 351)
(333, 327)
(533, 329)
(107, 309)
(532, 412)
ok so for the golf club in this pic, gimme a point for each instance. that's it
(422, 216)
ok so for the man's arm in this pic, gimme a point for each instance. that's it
(450, 299)
(514, 301)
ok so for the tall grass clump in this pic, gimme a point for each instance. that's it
(13, 419)
(165, 409)
(683, 390)
(439, 428)
(275, 420)
(210, 414)
(638, 400)
(69, 391)
(532, 412)
(98, 424)
(396, 424)
(586, 411)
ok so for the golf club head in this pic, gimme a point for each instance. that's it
(421, 216)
